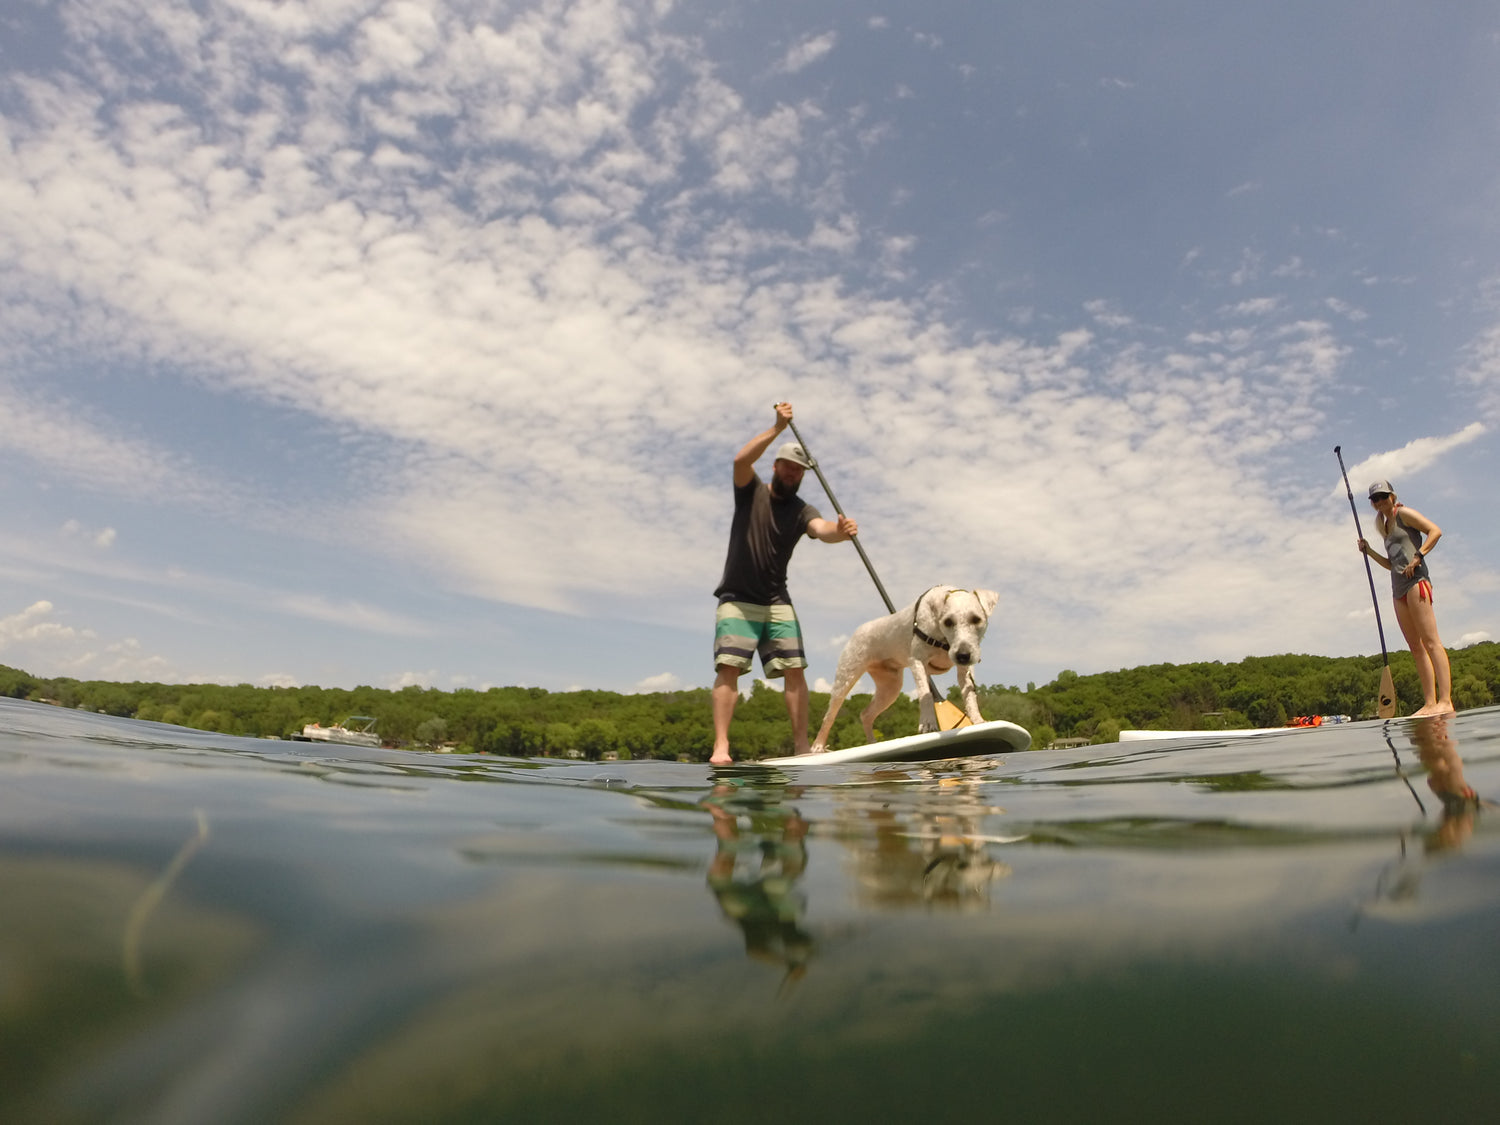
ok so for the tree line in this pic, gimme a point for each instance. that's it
(1260, 691)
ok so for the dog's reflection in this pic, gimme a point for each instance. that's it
(758, 863)
(928, 853)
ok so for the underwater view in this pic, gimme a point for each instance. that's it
(1298, 926)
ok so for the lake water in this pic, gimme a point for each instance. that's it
(200, 928)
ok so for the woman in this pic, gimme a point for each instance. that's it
(1409, 538)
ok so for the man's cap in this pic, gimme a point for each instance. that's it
(1379, 487)
(794, 453)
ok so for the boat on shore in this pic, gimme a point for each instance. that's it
(356, 730)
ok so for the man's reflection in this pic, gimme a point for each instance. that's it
(760, 858)
(1436, 746)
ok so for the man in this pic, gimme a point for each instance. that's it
(755, 610)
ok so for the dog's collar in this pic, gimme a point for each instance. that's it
(917, 629)
(926, 640)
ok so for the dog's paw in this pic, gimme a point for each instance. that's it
(927, 726)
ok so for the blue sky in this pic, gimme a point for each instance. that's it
(354, 341)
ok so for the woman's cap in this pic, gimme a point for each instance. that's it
(1381, 487)
(794, 453)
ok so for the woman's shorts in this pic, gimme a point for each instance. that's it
(743, 629)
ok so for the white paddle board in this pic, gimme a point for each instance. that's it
(998, 737)
(1153, 735)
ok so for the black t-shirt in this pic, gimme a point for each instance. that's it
(761, 539)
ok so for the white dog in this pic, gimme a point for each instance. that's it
(942, 629)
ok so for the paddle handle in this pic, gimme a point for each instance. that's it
(890, 606)
(1370, 574)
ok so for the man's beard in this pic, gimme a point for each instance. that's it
(783, 491)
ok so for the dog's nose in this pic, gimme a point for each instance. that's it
(964, 656)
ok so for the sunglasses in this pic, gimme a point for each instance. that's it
(1379, 496)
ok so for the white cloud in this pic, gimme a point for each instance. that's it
(1256, 306)
(808, 50)
(1107, 313)
(104, 538)
(1481, 369)
(1248, 269)
(59, 435)
(1474, 638)
(350, 614)
(413, 679)
(1416, 455)
(33, 639)
(127, 661)
(34, 623)
(662, 681)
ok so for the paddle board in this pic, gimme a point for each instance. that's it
(1153, 735)
(998, 737)
(1244, 732)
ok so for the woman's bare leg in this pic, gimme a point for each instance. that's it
(1419, 627)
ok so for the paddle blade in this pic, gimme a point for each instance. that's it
(951, 717)
(1386, 707)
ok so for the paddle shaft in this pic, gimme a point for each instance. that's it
(890, 606)
(1386, 697)
(1370, 574)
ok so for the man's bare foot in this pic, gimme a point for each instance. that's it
(721, 758)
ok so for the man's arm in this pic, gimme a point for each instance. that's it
(833, 532)
(744, 460)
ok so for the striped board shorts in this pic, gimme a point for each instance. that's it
(743, 629)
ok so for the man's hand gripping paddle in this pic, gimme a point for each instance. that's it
(1385, 706)
(949, 717)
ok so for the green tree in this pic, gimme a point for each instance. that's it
(432, 731)
(1471, 691)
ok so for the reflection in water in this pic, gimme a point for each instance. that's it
(930, 854)
(1438, 749)
(1436, 746)
(150, 899)
(760, 858)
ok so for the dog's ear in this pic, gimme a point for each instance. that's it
(988, 599)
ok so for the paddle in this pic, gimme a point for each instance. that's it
(949, 717)
(1386, 704)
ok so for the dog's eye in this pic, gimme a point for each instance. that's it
(947, 623)
(973, 619)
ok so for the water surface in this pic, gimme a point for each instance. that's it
(206, 928)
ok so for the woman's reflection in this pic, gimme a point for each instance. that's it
(1436, 746)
